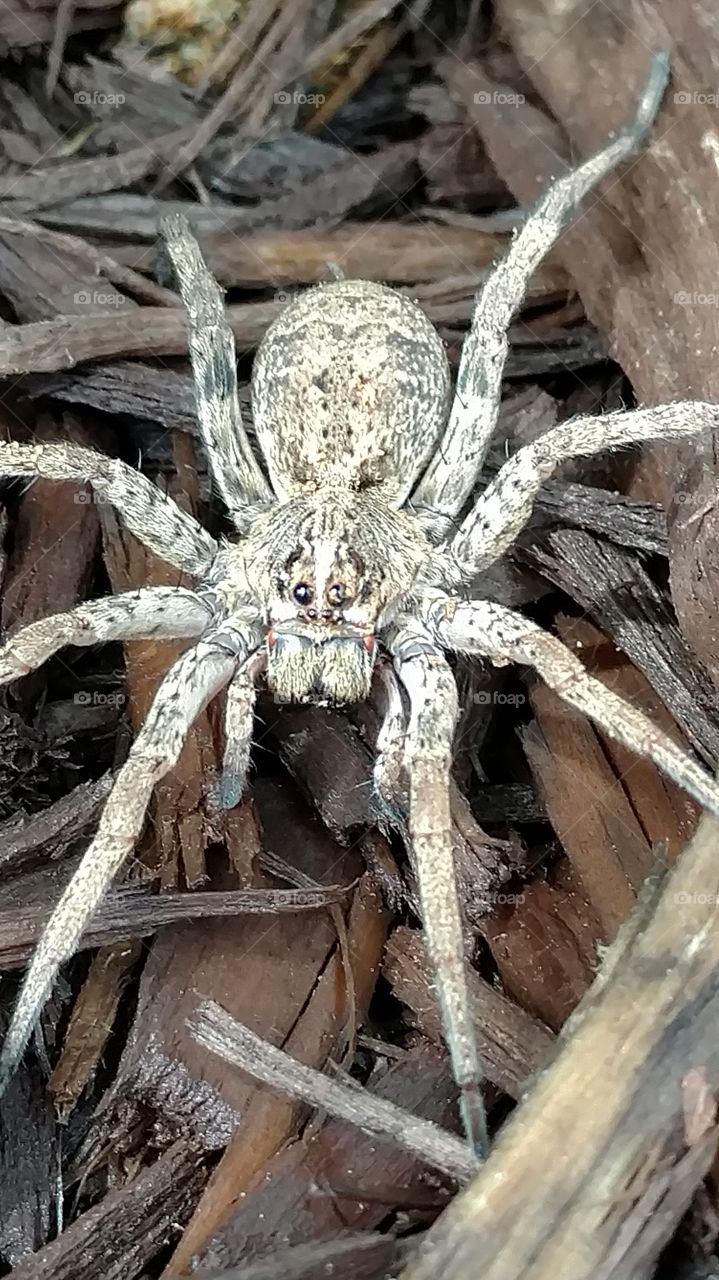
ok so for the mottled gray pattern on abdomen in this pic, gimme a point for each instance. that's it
(351, 383)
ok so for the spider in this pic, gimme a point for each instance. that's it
(356, 540)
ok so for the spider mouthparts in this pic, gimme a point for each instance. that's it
(332, 670)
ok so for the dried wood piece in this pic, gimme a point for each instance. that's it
(63, 29)
(27, 116)
(213, 1028)
(640, 526)
(329, 760)
(365, 61)
(256, 79)
(616, 590)
(126, 102)
(397, 252)
(333, 766)
(78, 254)
(354, 26)
(668, 816)
(42, 280)
(56, 539)
(52, 832)
(183, 828)
(382, 177)
(544, 944)
(163, 396)
(294, 991)
(588, 809)
(512, 1044)
(620, 1110)
(28, 1168)
(24, 23)
(643, 255)
(609, 808)
(337, 1179)
(58, 183)
(133, 912)
(332, 182)
(368, 1256)
(62, 343)
(91, 1023)
(123, 1233)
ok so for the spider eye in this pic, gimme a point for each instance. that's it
(302, 592)
(337, 593)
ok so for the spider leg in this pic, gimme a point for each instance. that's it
(388, 773)
(239, 720)
(186, 689)
(147, 512)
(490, 629)
(452, 472)
(432, 693)
(170, 612)
(237, 474)
(501, 512)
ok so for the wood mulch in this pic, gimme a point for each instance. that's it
(398, 142)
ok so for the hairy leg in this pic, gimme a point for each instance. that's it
(388, 773)
(239, 721)
(495, 632)
(212, 351)
(186, 689)
(502, 511)
(452, 473)
(432, 693)
(147, 512)
(165, 612)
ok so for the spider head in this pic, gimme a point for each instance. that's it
(321, 644)
(329, 570)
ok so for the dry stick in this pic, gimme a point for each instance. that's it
(623, 1121)
(63, 28)
(366, 18)
(237, 91)
(217, 1031)
(135, 913)
(345, 36)
(93, 175)
(241, 40)
(46, 346)
(373, 1251)
(123, 276)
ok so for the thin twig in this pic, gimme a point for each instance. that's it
(217, 1031)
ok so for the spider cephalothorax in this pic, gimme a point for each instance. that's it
(359, 534)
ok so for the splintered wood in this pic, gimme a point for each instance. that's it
(243, 1072)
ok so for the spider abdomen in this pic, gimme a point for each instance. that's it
(351, 382)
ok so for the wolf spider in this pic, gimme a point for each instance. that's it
(357, 537)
